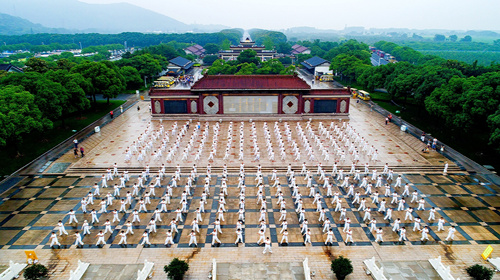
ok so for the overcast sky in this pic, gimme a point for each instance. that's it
(330, 14)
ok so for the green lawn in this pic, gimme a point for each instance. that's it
(38, 143)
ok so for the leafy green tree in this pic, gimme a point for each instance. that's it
(342, 267)
(246, 69)
(51, 97)
(285, 60)
(348, 66)
(35, 64)
(432, 77)
(302, 57)
(66, 55)
(209, 59)
(453, 38)
(290, 70)
(132, 77)
(65, 64)
(104, 80)
(466, 38)
(226, 44)
(176, 269)
(284, 48)
(268, 43)
(272, 66)
(146, 64)
(35, 271)
(466, 102)
(248, 56)
(211, 48)
(375, 77)
(19, 115)
(494, 125)
(404, 85)
(351, 47)
(439, 38)
(222, 67)
(479, 272)
(76, 86)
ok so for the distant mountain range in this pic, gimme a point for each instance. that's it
(11, 25)
(368, 31)
(75, 16)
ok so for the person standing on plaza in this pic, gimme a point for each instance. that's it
(239, 236)
(100, 238)
(307, 236)
(451, 233)
(192, 239)
(78, 240)
(402, 234)
(86, 228)
(267, 246)
(145, 238)
(72, 216)
(123, 238)
(62, 230)
(379, 235)
(214, 237)
(425, 232)
(169, 239)
(349, 236)
(53, 240)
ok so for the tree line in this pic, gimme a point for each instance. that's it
(47, 92)
(459, 95)
(54, 87)
(248, 63)
(133, 39)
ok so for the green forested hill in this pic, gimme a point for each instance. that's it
(11, 25)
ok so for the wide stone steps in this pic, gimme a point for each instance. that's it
(265, 169)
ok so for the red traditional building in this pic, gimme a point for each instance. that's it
(252, 94)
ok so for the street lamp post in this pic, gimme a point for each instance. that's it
(145, 84)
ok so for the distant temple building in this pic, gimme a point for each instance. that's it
(195, 50)
(298, 49)
(247, 44)
(317, 66)
(10, 68)
(252, 95)
(179, 66)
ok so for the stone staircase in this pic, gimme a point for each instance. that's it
(427, 169)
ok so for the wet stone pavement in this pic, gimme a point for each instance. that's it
(30, 210)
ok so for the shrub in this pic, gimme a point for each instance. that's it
(36, 271)
(480, 272)
(176, 269)
(342, 267)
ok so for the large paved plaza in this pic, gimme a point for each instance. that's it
(30, 210)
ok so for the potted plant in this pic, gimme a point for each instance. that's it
(480, 272)
(176, 269)
(341, 267)
(36, 271)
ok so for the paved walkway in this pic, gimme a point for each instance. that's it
(395, 147)
(30, 210)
